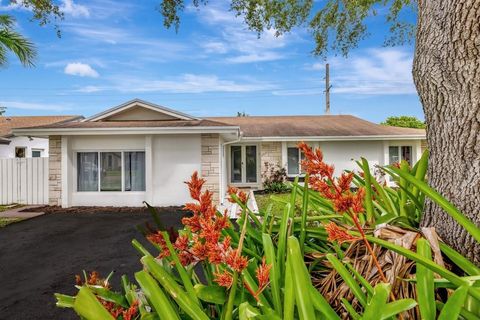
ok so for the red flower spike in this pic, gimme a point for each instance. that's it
(340, 235)
(158, 239)
(224, 279)
(78, 280)
(358, 200)
(236, 261)
(241, 195)
(263, 276)
(131, 312)
(195, 186)
(181, 243)
(345, 181)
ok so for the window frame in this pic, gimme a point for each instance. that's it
(24, 152)
(243, 154)
(399, 152)
(301, 157)
(38, 150)
(122, 152)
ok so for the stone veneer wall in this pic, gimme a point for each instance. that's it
(211, 163)
(55, 170)
(423, 145)
(271, 152)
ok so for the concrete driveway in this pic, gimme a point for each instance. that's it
(41, 256)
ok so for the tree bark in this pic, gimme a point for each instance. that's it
(446, 71)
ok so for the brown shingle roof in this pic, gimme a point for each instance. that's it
(318, 126)
(8, 123)
(134, 124)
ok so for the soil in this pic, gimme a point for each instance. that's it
(41, 256)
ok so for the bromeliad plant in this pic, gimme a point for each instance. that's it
(342, 261)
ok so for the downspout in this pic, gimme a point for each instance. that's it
(223, 156)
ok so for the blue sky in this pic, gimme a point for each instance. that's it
(113, 51)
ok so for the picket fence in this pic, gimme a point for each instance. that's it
(24, 181)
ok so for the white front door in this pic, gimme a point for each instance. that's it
(243, 164)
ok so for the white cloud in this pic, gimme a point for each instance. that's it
(316, 66)
(375, 72)
(186, 83)
(214, 47)
(75, 10)
(80, 69)
(243, 45)
(33, 106)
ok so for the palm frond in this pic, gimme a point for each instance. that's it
(23, 48)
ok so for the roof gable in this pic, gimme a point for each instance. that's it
(139, 110)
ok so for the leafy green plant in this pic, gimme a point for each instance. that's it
(277, 265)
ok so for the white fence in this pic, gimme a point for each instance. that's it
(24, 180)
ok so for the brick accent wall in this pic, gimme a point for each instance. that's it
(211, 163)
(55, 171)
(271, 152)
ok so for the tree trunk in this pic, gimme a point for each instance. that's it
(446, 71)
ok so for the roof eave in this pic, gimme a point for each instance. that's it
(124, 131)
(337, 138)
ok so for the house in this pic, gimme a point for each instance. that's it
(12, 146)
(140, 151)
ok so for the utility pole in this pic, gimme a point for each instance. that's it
(327, 89)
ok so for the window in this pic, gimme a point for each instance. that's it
(36, 153)
(134, 171)
(398, 153)
(111, 171)
(294, 161)
(20, 152)
(243, 164)
(87, 171)
(251, 163)
(104, 171)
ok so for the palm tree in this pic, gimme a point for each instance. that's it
(10, 40)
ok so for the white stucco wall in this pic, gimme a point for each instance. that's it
(170, 160)
(342, 154)
(175, 158)
(8, 151)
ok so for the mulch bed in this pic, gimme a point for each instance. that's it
(41, 256)
(94, 210)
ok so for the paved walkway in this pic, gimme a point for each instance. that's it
(16, 213)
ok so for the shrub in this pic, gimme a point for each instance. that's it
(274, 178)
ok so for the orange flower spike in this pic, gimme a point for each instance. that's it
(236, 261)
(78, 280)
(181, 243)
(93, 278)
(338, 234)
(358, 199)
(345, 181)
(195, 186)
(224, 279)
(131, 312)
(185, 258)
(263, 275)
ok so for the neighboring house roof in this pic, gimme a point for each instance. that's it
(4, 141)
(315, 126)
(8, 123)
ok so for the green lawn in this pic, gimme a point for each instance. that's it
(8, 207)
(6, 221)
(263, 201)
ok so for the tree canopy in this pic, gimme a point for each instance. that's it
(404, 122)
(334, 24)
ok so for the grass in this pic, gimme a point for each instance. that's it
(263, 201)
(6, 221)
(9, 206)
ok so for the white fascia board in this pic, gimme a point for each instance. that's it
(143, 104)
(121, 131)
(336, 138)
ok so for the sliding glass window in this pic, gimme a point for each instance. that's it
(104, 171)
(111, 171)
(87, 171)
(134, 171)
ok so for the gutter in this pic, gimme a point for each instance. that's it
(338, 138)
(120, 130)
